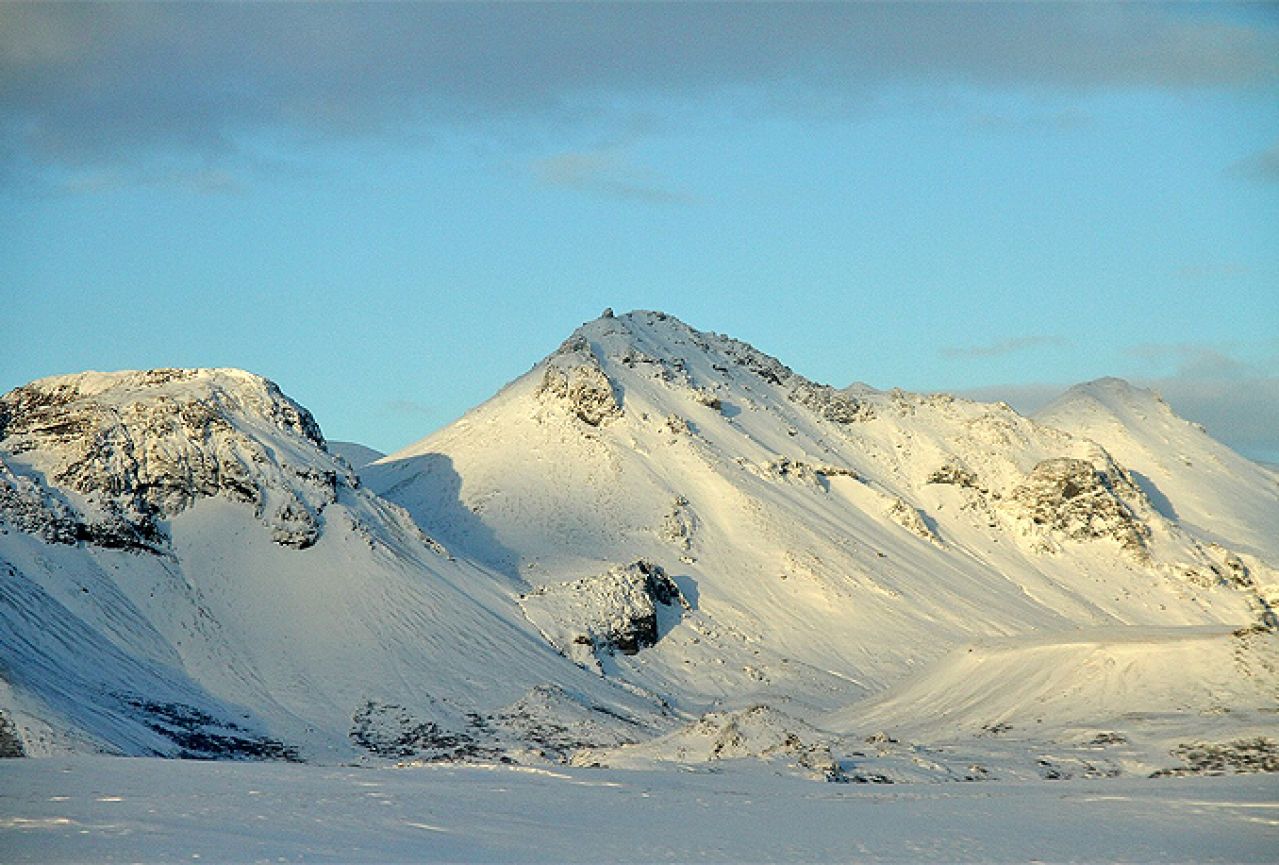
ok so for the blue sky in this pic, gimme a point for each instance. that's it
(392, 210)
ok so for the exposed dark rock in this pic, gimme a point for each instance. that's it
(679, 525)
(1225, 758)
(613, 611)
(574, 376)
(1069, 498)
(830, 403)
(10, 741)
(201, 736)
(135, 449)
(955, 474)
(912, 520)
(388, 730)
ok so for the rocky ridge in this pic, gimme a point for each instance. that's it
(108, 458)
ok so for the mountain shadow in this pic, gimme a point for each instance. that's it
(429, 488)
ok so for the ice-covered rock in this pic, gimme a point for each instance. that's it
(574, 378)
(911, 520)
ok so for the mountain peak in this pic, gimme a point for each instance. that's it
(1114, 394)
(225, 392)
(652, 337)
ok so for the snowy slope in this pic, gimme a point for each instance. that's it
(828, 543)
(184, 569)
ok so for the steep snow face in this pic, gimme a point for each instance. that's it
(184, 570)
(1188, 476)
(827, 542)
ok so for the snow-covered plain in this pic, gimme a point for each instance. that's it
(95, 809)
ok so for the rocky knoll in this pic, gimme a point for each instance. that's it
(1069, 498)
(107, 458)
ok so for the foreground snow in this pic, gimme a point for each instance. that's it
(111, 809)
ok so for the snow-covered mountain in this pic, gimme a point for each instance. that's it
(658, 545)
(184, 569)
(828, 544)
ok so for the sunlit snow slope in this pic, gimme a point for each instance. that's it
(827, 543)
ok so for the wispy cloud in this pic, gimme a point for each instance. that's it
(1193, 360)
(608, 172)
(112, 84)
(410, 407)
(1262, 166)
(201, 181)
(1003, 347)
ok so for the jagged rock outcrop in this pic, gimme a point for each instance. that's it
(829, 403)
(613, 611)
(574, 377)
(679, 525)
(954, 474)
(1064, 498)
(10, 741)
(107, 458)
(911, 520)
(816, 475)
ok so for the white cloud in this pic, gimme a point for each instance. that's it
(1003, 347)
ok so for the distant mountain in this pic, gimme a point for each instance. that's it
(356, 455)
(659, 545)
(1188, 476)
